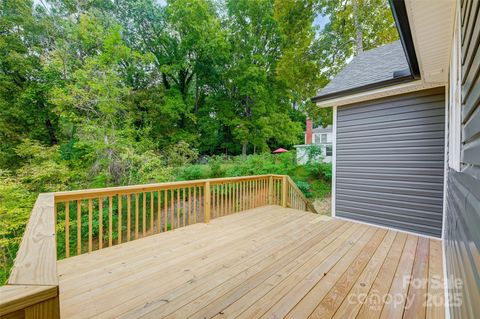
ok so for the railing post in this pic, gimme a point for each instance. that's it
(284, 191)
(207, 202)
(270, 190)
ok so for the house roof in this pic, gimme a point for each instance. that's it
(321, 129)
(384, 63)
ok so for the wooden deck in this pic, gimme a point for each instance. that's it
(267, 262)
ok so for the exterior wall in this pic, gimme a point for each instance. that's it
(462, 220)
(390, 161)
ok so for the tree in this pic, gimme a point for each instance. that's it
(297, 66)
(24, 82)
(354, 26)
(257, 95)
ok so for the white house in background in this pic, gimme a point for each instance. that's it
(320, 137)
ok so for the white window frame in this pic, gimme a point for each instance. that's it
(323, 138)
(326, 150)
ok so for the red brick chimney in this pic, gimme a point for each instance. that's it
(308, 133)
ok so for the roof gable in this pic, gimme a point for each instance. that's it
(387, 62)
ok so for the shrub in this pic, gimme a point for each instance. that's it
(180, 154)
(305, 187)
(216, 167)
(321, 188)
(190, 172)
(319, 170)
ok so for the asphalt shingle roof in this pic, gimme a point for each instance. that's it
(322, 129)
(372, 66)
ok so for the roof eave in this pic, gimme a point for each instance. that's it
(363, 88)
(400, 15)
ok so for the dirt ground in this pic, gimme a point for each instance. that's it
(323, 206)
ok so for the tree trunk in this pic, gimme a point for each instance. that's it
(51, 132)
(196, 93)
(358, 28)
(165, 81)
(244, 149)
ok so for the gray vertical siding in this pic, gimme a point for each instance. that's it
(390, 161)
(462, 224)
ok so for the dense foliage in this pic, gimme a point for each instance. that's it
(52, 173)
(116, 92)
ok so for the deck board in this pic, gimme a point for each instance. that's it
(265, 262)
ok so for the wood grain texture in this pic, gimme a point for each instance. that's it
(47, 309)
(436, 296)
(90, 224)
(79, 227)
(67, 229)
(100, 222)
(120, 206)
(264, 262)
(107, 191)
(36, 261)
(17, 297)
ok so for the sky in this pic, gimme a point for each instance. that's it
(321, 21)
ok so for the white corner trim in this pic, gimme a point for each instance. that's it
(444, 211)
(334, 159)
(445, 158)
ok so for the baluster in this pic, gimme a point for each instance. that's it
(206, 208)
(195, 203)
(136, 215)
(159, 212)
(184, 208)
(172, 211)
(165, 210)
(223, 197)
(144, 214)
(189, 204)
(67, 229)
(178, 207)
(129, 210)
(119, 218)
(256, 193)
(100, 222)
(110, 221)
(244, 190)
(151, 213)
(79, 227)
(90, 225)
(217, 212)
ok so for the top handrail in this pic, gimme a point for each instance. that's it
(35, 263)
(106, 191)
(34, 273)
(33, 283)
(300, 193)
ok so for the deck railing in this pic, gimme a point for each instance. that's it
(65, 224)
